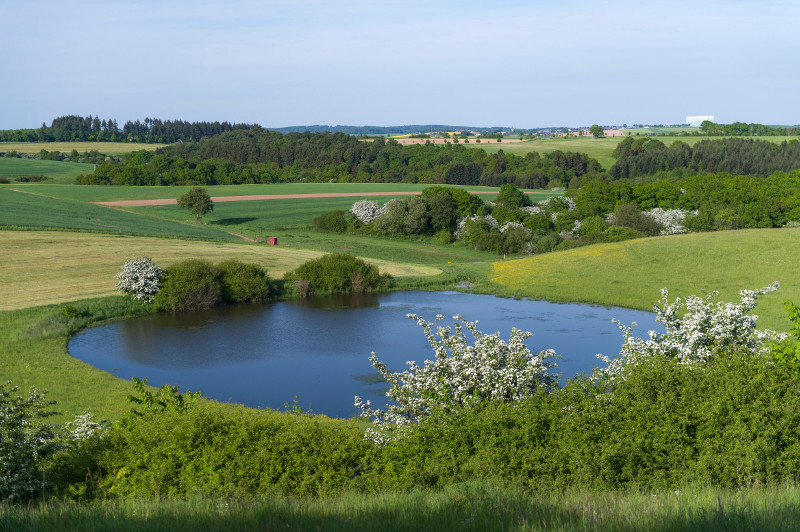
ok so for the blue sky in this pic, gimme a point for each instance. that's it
(301, 62)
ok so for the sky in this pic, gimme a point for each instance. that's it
(523, 64)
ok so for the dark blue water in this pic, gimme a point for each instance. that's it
(318, 350)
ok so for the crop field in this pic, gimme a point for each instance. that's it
(97, 193)
(109, 148)
(73, 266)
(632, 273)
(54, 171)
(26, 210)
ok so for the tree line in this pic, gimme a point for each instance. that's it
(737, 129)
(648, 156)
(95, 129)
(258, 155)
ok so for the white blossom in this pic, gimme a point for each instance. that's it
(460, 377)
(141, 278)
(366, 210)
(671, 220)
(696, 328)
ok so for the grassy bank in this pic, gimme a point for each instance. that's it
(631, 273)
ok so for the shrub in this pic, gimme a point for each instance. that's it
(333, 221)
(140, 278)
(189, 285)
(243, 283)
(462, 377)
(629, 215)
(26, 442)
(338, 273)
(366, 210)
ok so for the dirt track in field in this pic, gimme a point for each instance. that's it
(222, 199)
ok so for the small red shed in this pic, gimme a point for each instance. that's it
(273, 241)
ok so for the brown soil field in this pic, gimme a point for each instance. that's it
(222, 199)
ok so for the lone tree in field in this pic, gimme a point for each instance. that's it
(198, 201)
(596, 130)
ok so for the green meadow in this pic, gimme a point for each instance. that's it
(13, 169)
(58, 248)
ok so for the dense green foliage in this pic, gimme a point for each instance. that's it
(722, 201)
(648, 156)
(152, 130)
(195, 284)
(337, 273)
(739, 129)
(261, 156)
(734, 422)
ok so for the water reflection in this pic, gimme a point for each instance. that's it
(318, 350)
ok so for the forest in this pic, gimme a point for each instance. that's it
(152, 130)
(261, 156)
(646, 156)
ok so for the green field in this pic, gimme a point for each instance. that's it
(109, 148)
(28, 210)
(89, 193)
(55, 171)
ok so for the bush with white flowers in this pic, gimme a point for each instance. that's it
(26, 442)
(366, 210)
(696, 328)
(672, 220)
(462, 376)
(140, 278)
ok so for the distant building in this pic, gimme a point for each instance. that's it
(695, 121)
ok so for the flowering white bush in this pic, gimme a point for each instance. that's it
(569, 202)
(672, 220)
(25, 442)
(366, 210)
(461, 376)
(141, 278)
(516, 225)
(533, 209)
(695, 329)
(83, 428)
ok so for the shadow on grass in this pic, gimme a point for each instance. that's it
(232, 221)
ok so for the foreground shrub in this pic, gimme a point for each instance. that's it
(140, 278)
(696, 328)
(26, 442)
(338, 273)
(189, 285)
(243, 283)
(462, 377)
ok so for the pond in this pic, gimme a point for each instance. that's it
(317, 350)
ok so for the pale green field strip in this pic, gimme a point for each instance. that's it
(43, 267)
(632, 273)
(90, 193)
(13, 167)
(109, 148)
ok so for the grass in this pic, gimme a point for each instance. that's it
(631, 273)
(77, 265)
(55, 171)
(109, 148)
(20, 209)
(469, 506)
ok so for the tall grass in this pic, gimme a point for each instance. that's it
(469, 506)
